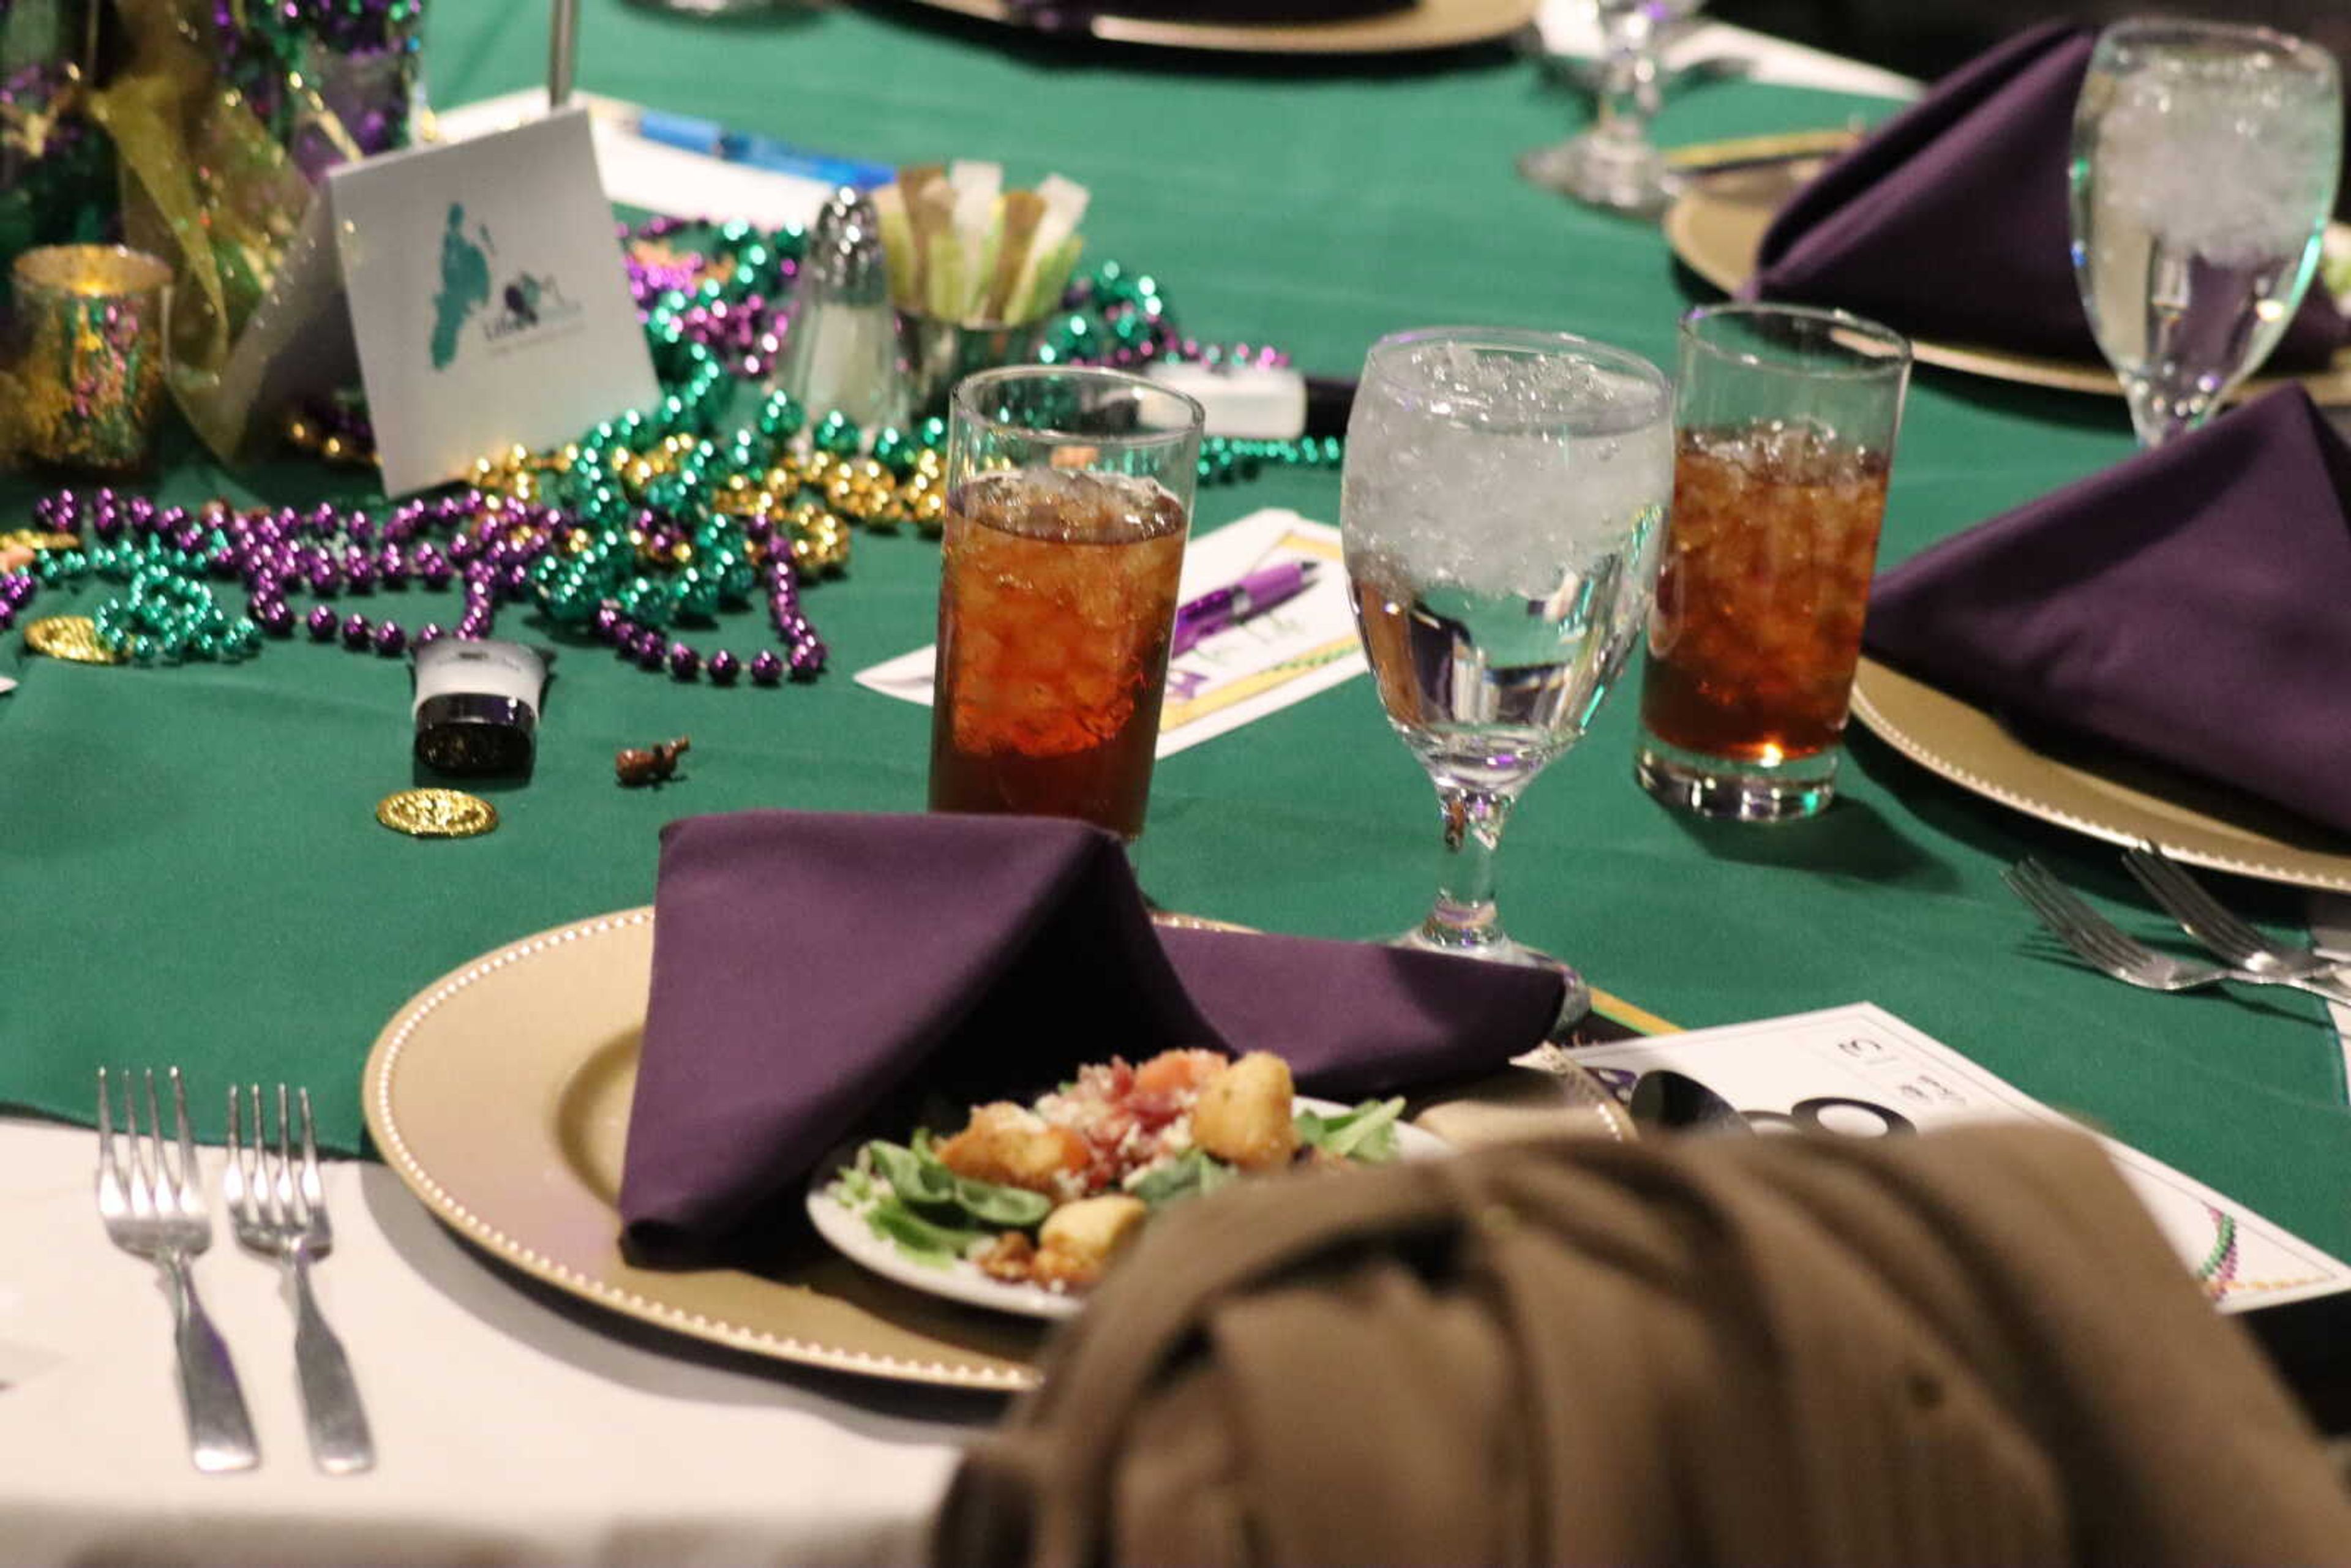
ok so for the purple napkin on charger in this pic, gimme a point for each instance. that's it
(1951, 220)
(811, 968)
(2191, 604)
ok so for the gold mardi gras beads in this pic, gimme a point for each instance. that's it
(38, 539)
(73, 638)
(819, 539)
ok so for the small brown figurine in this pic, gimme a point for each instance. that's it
(636, 766)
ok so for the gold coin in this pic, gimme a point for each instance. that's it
(436, 813)
(73, 638)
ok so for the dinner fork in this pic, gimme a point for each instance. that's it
(279, 1209)
(2104, 945)
(2229, 939)
(154, 1207)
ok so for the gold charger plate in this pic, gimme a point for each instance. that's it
(2120, 799)
(500, 1096)
(1427, 25)
(1716, 226)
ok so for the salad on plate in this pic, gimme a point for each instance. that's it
(1041, 1196)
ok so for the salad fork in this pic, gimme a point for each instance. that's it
(2105, 946)
(279, 1209)
(154, 1207)
(2229, 938)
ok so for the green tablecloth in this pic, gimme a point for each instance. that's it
(192, 871)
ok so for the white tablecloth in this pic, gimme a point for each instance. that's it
(512, 1427)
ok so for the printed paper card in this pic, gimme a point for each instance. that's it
(1861, 1070)
(1301, 646)
(489, 298)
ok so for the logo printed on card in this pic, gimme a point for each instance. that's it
(530, 302)
(527, 302)
(464, 284)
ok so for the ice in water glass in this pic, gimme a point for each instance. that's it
(1503, 504)
(2204, 166)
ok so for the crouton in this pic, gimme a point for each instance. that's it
(1078, 1238)
(1243, 1116)
(1011, 1146)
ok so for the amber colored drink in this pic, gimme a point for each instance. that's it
(1055, 611)
(1757, 628)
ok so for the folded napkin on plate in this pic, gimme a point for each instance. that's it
(1950, 221)
(2191, 604)
(810, 967)
(1968, 1347)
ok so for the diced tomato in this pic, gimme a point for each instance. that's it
(1152, 1111)
(1174, 1072)
(1112, 1130)
(1106, 1081)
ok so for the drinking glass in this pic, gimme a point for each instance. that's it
(1503, 502)
(1785, 420)
(2204, 167)
(1068, 495)
(1613, 164)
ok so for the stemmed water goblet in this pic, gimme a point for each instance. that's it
(2204, 165)
(1502, 507)
(1612, 163)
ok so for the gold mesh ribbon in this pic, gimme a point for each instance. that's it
(207, 187)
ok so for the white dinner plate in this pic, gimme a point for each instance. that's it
(962, 1279)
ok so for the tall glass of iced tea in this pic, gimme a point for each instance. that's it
(1784, 425)
(1068, 495)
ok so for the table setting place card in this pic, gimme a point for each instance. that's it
(1252, 666)
(486, 295)
(1859, 1070)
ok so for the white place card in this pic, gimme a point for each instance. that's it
(489, 298)
(1845, 1069)
(1304, 646)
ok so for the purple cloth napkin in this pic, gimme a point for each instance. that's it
(1951, 220)
(2192, 604)
(811, 969)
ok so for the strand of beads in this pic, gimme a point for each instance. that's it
(1121, 320)
(495, 550)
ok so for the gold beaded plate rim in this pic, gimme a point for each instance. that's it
(436, 813)
(2099, 793)
(499, 1095)
(1427, 25)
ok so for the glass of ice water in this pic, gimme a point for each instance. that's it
(2204, 166)
(1613, 164)
(1503, 506)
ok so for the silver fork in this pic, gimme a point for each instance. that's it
(154, 1207)
(2104, 945)
(279, 1209)
(2229, 938)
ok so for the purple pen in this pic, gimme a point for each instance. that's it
(1236, 602)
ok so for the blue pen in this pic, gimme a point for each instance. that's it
(715, 141)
